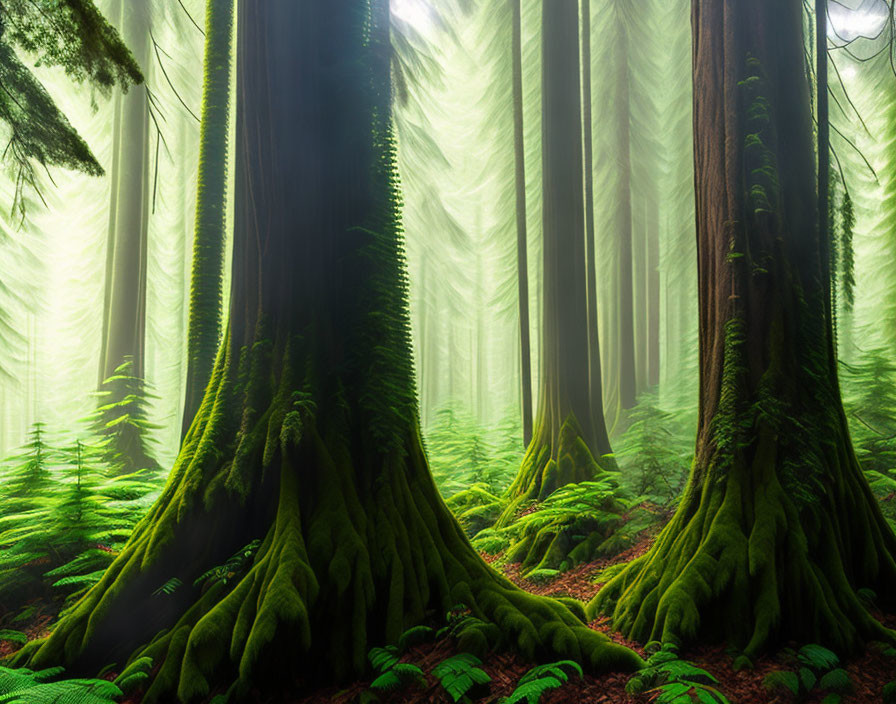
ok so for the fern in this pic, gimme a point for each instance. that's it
(544, 678)
(459, 674)
(22, 686)
(673, 680)
(383, 659)
(169, 587)
(234, 568)
(398, 676)
(13, 636)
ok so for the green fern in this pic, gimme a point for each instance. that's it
(398, 676)
(23, 686)
(169, 587)
(673, 680)
(459, 675)
(543, 678)
(234, 568)
(383, 659)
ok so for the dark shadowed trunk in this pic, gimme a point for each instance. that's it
(777, 530)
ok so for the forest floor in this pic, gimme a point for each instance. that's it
(868, 673)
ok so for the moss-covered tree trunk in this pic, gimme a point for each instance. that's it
(570, 431)
(522, 256)
(209, 238)
(777, 529)
(307, 437)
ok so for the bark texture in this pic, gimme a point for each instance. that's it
(522, 257)
(209, 238)
(570, 431)
(307, 437)
(778, 529)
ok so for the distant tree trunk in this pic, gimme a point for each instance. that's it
(124, 310)
(777, 530)
(568, 433)
(627, 382)
(522, 257)
(209, 238)
(653, 289)
(595, 381)
(307, 439)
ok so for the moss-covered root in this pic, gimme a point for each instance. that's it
(348, 562)
(548, 464)
(739, 562)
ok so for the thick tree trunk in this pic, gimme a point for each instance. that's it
(569, 430)
(777, 529)
(307, 437)
(209, 238)
(522, 257)
(124, 312)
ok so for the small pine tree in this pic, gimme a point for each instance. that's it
(121, 421)
(654, 458)
(26, 475)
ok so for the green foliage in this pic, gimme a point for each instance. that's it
(22, 686)
(543, 678)
(675, 681)
(869, 394)
(233, 568)
(580, 519)
(67, 33)
(121, 422)
(13, 636)
(66, 518)
(462, 454)
(655, 453)
(815, 669)
(169, 587)
(459, 675)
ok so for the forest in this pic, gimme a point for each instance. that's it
(447, 351)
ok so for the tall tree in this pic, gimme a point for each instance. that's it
(595, 385)
(209, 239)
(569, 430)
(124, 310)
(307, 437)
(521, 230)
(777, 529)
(626, 286)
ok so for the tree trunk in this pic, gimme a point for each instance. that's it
(595, 381)
(209, 239)
(777, 529)
(568, 434)
(627, 382)
(522, 257)
(307, 438)
(124, 318)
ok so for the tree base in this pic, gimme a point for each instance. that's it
(333, 576)
(740, 562)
